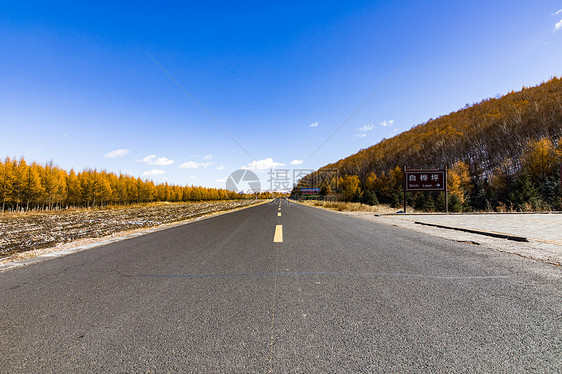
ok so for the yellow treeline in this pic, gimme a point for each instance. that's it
(35, 186)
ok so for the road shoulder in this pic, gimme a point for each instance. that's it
(542, 251)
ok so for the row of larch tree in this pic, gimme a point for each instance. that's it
(503, 154)
(25, 187)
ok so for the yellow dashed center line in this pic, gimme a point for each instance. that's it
(272, 336)
(278, 237)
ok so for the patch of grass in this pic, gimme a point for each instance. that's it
(351, 207)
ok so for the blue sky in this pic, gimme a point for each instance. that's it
(87, 85)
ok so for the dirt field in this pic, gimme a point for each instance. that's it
(21, 232)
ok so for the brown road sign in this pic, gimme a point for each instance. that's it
(425, 180)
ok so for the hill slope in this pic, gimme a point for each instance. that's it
(489, 146)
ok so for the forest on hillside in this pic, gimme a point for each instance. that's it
(503, 154)
(25, 187)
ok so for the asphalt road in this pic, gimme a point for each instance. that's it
(323, 293)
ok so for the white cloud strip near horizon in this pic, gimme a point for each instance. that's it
(314, 124)
(118, 153)
(195, 165)
(153, 160)
(262, 165)
(296, 162)
(386, 123)
(153, 172)
(367, 127)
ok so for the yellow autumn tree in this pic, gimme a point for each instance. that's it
(371, 181)
(349, 187)
(101, 188)
(74, 190)
(458, 181)
(540, 158)
(6, 182)
(32, 189)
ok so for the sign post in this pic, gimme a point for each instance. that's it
(446, 192)
(405, 211)
(426, 180)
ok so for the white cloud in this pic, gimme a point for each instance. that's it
(262, 165)
(222, 180)
(195, 165)
(153, 160)
(148, 159)
(118, 153)
(314, 124)
(153, 172)
(363, 130)
(386, 123)
(296, 162)
(208, 157)
(163, 161)
(367, 127)
(558, 26)
(556, 13)
(221, 167)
